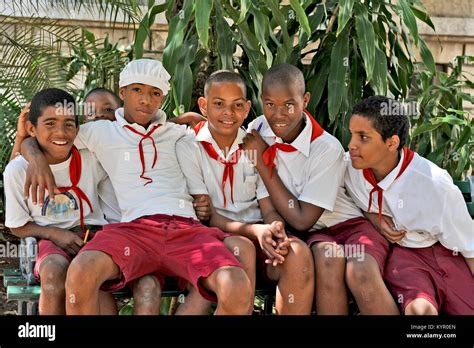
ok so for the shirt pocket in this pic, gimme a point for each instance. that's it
(248, 191)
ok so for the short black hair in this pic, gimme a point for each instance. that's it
(389, 117)
(284, 74)
(224, 76)
(98, 90)
(50, 97)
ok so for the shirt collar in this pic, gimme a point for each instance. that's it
(302, 143)
(159, 118)
(205, 135)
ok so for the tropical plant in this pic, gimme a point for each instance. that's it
(442, 131)
(346, 49)
(38, 53)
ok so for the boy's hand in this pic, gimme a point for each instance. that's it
(39, 178)
(203, 207)
(254, 142)
(283, 242)
(66, 240)
(21, 132)
(268, 244)
(386, 228)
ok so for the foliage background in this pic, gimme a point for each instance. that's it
(347, 50)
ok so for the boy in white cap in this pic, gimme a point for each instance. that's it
(159, 233)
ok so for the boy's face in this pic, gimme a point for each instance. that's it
(367, 147)
(55, 132)
(225, 107)
(283, 108)
(140, 102)
(100, 105)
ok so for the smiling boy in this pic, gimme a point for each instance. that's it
(59, 223)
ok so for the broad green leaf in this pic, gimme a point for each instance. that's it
(425, 127)
(345, 13)
(365, 39)
(423, 16)
(464, 138)
(337, 74)
(244, 7)
(261, 26)
(316, 87)
(449, 119)
(301, 16)
(409, 19)
(427, 57)
(203, 10)
(140, 36)
(379, 81)
(225, 43)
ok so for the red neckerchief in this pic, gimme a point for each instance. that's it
(269, 154)
(228, 165)
(75, 168)
(370, 177)
(140, 148)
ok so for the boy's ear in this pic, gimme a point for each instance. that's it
(306, 99)
(248, 105)
(122, 93)
(30, 129)
(202, 103)
(393, 143)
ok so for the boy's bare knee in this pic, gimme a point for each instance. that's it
(362, 272)
(241, 247)
(147, 288)
(420, 307)
(328, 257)
(233, 286)
(299, 262)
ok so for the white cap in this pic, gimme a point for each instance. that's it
(147, 71)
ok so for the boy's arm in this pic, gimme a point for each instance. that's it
(66, 240)
(299, 214)
(21, 133)
(190, 118)
(38, 175)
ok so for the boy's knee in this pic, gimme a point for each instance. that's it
(420, 307)
(147, 287)
(299, 261)
(233, 284)
(53, 275)
(241, 247)
(81, 272)
(328, 257)
(362, 272)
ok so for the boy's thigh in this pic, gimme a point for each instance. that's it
(409, 276)
(195, 253)
(458, 281)
(130, 252)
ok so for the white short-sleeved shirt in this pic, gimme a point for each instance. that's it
(64, 211)
(117, 149)
(204, 176)
(422, 201)
(314, 173)
(108, 201)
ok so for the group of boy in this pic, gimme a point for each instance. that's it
(136, 201)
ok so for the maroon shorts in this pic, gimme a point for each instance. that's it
(47, 247)
(163, 245)
(435, 274)
(358, 236)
